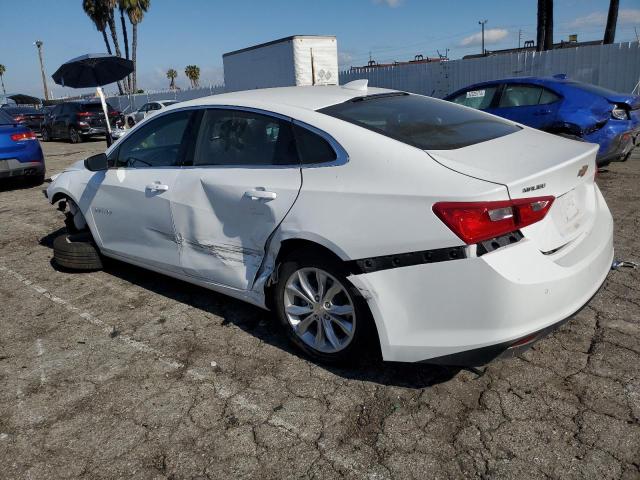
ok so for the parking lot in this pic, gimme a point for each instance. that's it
(125, 373)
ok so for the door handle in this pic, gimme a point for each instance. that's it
(157, 187)
(256, 194)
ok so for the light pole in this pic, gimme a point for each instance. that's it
(482, 22)
(39, 44)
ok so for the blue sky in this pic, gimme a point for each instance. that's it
(176, 33)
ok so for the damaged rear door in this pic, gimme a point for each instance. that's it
(243, 179)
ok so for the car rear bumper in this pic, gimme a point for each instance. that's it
(618, 147)
(14, 168)
(471, 310)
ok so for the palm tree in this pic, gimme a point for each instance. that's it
(136, 10)
(193, 74)
(122, 6)
(3, 69)
(110, 6)
(99, 13)
(171, 75)
(612, 19)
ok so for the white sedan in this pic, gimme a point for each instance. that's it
(146, 110)
(442, 233)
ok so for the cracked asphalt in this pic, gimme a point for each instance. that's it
(124, 373)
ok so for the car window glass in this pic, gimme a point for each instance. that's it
(155, 106)
(479, 98)
(423, 122)
(157, 144)
(144, 108)
(312, 147)
(233, 137)
(520, 96)
(547, 97)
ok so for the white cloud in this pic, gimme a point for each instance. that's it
(389, 3)
(597, 19)
(344, 59)
(492, 35)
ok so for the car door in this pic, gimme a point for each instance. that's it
(59, 121)
(532, 105)
(131, 201)
(244, 178)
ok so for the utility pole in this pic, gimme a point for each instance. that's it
(519, 38)
(482, 22)
(39, 44)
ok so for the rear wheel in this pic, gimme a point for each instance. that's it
(321, 312)
(130, 122)
(74, 136)
(76, 252)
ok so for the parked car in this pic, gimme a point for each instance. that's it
(354, 213)
(77, 121)
(20, 152)
(147, 109)
(28, 116)
(558, 105)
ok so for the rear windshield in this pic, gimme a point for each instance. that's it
(21, 110)
(601, 91)
(5, 118)
(94, 107)
(423, 122)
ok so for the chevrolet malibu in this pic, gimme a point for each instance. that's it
(442, 233)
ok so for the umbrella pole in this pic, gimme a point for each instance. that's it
(106, 115)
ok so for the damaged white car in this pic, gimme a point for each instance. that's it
(446, 234)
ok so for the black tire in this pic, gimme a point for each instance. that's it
(36, 180)
(44, 134)
(74, 135)
(364, 331)
(130, 122)
(76, 252)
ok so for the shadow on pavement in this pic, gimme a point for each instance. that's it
(262, 325)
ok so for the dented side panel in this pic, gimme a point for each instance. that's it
(221, 228)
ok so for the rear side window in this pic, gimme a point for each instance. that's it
(94, 107)
(548, 97)
(239, 138)
(423, 122)
(520, 96)
(313, 149)
(479, 98)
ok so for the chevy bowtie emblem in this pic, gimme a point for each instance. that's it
(583, 170)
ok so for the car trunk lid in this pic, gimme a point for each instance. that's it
(531, 163)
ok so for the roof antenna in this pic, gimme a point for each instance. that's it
(360, 85)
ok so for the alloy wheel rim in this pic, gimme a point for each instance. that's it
(319, 310)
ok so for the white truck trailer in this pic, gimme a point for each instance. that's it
(290, 61)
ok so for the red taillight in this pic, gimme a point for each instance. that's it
(114, 113)
(19, 118)
(83, 114)
(474, 222)
(21, 137)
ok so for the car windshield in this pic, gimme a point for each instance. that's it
(603, 92)
(5, 118)
(423, 122)
(171, 102)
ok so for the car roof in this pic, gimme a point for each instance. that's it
(306, 98)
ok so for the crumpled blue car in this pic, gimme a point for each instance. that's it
(562, 106)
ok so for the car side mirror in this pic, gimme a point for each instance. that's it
(96, 163)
